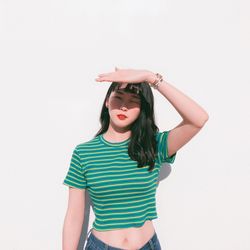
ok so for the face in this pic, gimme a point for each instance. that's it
(128, 104)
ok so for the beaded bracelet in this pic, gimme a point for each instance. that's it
(157, 81)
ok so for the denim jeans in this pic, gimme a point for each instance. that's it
(94, 243)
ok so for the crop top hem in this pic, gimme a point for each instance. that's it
(125, 226)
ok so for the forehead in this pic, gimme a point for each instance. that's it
(122, 92)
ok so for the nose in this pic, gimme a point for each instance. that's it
(123, 107)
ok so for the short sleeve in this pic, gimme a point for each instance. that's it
(75, 176)
(162, 142)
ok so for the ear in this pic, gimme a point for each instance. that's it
(107, 103)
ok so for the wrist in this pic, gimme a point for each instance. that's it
(151, 78)
(154, 80)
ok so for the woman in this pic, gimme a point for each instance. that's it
(121, 164)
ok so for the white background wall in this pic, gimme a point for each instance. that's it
(50, 53)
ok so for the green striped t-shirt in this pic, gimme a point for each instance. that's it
(123, 195)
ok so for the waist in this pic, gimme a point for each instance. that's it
(127, 238)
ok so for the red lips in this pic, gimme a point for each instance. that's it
(121, 116)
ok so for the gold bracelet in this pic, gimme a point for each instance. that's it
(157, 81)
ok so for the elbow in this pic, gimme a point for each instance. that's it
(203, 121)
(206, 117)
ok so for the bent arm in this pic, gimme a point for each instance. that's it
(190, 111)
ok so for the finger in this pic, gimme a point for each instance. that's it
(123, 85)
(105, 74)
(100, 79)
(103, 79)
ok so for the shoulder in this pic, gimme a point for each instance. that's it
(87, 148)
(83, 151)
(87, 144)
(160, 134)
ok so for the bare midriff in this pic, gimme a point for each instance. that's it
(132, 238)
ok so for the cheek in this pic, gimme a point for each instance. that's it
(114, 103)
(136, 111)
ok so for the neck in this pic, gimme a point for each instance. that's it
(116, 134)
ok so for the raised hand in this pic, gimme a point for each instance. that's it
(127, 76)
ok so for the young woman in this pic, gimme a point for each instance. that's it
(121, 164)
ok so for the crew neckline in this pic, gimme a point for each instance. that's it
(113, 144)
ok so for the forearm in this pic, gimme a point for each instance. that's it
(188, 109)
(72, 229)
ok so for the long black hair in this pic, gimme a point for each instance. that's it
(142, 146)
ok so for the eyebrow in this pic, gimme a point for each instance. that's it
(120, 92)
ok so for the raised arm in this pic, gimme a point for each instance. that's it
(194, 116)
